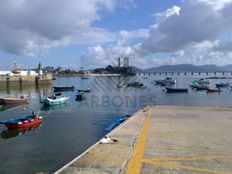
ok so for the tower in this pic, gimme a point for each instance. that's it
(40, 68)
(119, 62)
(126, 61)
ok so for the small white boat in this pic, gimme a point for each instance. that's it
(166, 81)
(56, 99)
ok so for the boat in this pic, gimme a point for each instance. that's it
(201, 87)
(55, 99)
(11, 100)
(165, 82)
(21, 122)
(16, 69)
(10, 133)
(134, 84)
(222, 85)
(117, 122)
(80, 96)
(84, 90)
(174, 90)
(201, 82)
(120, 85)
(210, 90)
(84, 78)
(63, 88)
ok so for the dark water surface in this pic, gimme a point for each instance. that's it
(69, 129)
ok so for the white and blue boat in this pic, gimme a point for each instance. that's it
(55, 99)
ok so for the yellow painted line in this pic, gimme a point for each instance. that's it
(135, 163)
(203, 158)
(182, 167)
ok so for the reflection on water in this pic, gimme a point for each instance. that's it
(10, 133)
(55, 107)
(11, 106)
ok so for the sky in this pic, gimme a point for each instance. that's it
(94, 33)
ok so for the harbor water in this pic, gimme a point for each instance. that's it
(69, 129)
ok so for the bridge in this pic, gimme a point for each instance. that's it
(185, 73)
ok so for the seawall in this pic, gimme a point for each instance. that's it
(17, 80)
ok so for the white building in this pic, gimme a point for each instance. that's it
(22, 73)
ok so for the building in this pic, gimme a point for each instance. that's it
(126, 61)
(119, 62)
(40, 69)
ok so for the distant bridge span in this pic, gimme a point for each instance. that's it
(186, 73)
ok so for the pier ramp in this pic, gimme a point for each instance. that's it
(163, 139)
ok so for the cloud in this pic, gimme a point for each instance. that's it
(95, 36)
(194, 32)
(99, 57)
(195, 21)
(105, 54)
(28, 26)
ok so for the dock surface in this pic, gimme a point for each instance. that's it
(163, 139)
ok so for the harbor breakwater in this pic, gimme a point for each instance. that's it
(17, 80)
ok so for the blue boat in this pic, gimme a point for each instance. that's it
(117, 122)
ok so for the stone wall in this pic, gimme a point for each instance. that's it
(25, 80)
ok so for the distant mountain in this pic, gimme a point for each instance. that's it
(189, 68)
(138, 70)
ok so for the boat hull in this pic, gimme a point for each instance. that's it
(26, 123)
(84, 90)
(214, 90)
(58, 89)
(80, 97)
(222, 85)
(12, 101)
(50, 102)
(117, 122)
(177, 90)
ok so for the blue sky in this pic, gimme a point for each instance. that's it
(94, 33)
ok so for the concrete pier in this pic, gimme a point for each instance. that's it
(164, 139)
(17, 80)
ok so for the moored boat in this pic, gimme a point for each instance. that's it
(84, 90)
(165, 82)
(80, 96)
(117, 122)
(84, 78)
(135, 84)
(63, 88)
(201, 82)
(174, 90)
(210, 90)
(23, 121)
(55, 99)
(11, 100)
(201, 87)
(222, 85)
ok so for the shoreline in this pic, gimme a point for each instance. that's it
(91, 75)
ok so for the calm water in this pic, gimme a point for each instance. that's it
(68, 130)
